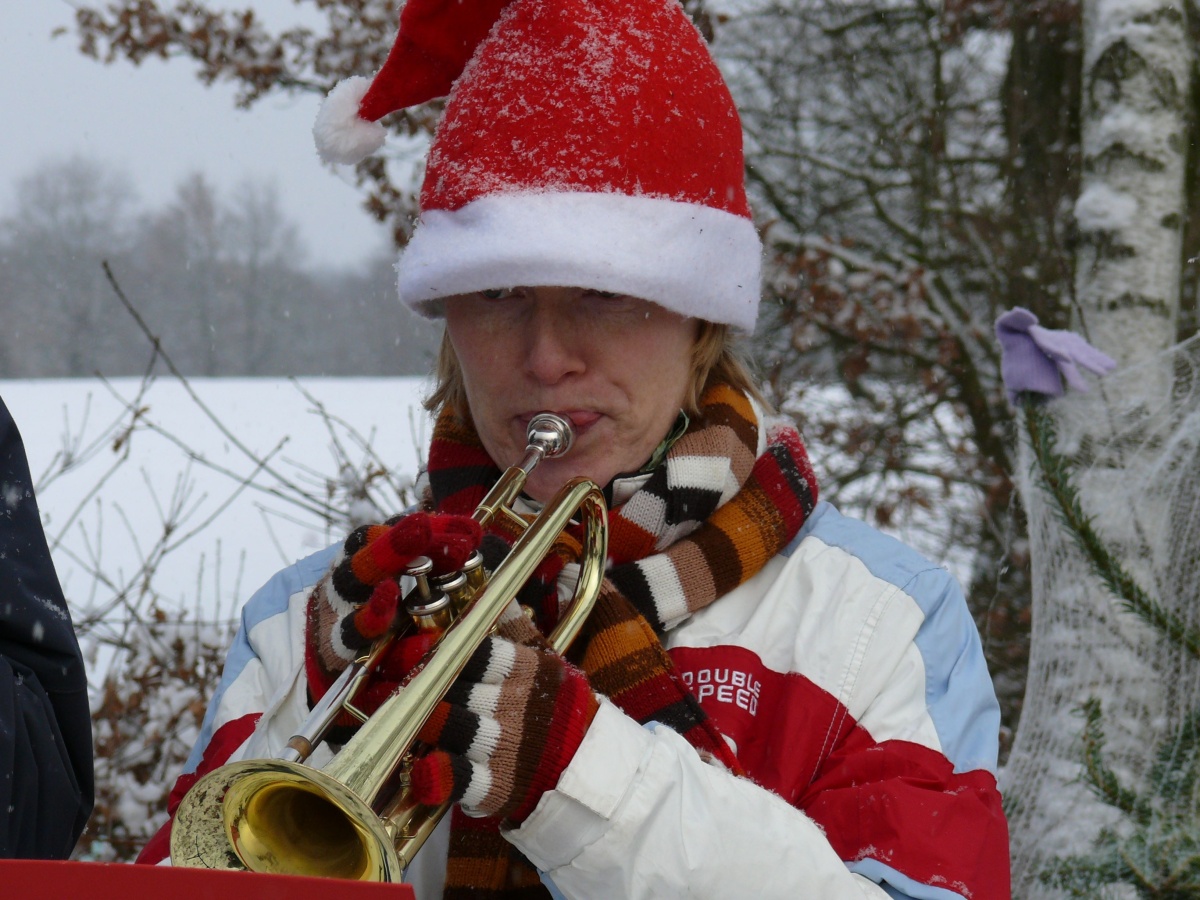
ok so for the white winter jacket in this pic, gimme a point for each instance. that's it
(848, 676)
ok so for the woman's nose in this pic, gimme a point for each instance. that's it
(554, 349)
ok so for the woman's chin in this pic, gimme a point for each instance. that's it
(551, 474)
(542, 486)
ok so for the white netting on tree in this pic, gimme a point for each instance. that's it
(1101, 784)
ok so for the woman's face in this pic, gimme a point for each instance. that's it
(616, 366)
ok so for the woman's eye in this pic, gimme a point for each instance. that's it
(497, 293)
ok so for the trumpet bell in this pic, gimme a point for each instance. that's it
(278, 817)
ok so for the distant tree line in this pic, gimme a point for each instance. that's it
(221, 280)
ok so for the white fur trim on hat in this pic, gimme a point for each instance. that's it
(341, 135)
(695, 260)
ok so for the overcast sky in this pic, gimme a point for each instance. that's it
(159, 123)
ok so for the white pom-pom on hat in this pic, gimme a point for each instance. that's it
(433, 44)
(341, 134)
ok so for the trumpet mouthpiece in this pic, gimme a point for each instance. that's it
(551, 434)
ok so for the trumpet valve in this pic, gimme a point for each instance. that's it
(474, 572)
(456, 586)
(429, 609)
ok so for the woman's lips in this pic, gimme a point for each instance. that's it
(581, 419)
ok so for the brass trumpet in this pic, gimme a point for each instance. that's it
(354, 817)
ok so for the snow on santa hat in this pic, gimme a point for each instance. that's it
(585, 143)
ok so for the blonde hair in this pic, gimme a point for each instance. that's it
(715, 357)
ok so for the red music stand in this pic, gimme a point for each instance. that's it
(39, 879)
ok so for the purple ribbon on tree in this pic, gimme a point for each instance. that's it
(1037, 360)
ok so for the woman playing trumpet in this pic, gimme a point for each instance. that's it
(767, 693)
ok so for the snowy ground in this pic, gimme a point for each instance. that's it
(213, 509)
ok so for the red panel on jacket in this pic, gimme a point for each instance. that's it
(896, 802)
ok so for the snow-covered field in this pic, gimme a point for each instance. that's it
(129, 478)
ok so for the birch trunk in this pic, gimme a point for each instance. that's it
(1129, 217)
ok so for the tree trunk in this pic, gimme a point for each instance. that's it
(1041, 97)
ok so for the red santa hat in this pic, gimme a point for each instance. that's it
(585, 143)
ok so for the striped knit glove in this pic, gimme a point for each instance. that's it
(359, 598)
(505, 732)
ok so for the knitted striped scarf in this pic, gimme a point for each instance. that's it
(705, 521)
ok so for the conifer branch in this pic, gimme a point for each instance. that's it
(1100, 777)
(1056, 471)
